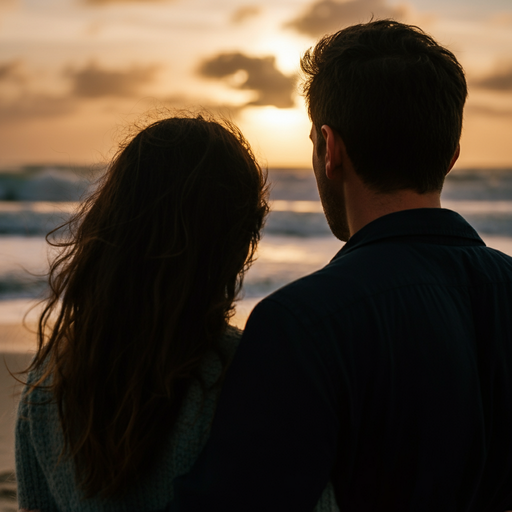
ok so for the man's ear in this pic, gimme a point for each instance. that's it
(454, 158)
(335, 152)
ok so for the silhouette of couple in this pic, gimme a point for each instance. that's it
(381, 382)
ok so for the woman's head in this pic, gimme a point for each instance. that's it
(180, 208)
(144, 288)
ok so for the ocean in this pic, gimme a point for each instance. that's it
(296, 239)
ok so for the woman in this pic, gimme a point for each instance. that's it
(135, 338)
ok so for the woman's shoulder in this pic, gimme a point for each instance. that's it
(215, 361)
(35, 391)
(230, 340)
(37, 409)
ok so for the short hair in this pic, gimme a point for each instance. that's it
(396, 98)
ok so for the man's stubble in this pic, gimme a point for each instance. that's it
(333, 204)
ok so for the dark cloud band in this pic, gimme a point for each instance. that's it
(324, 16)
(272, 86)
(93, 81)
(499, 81)
(244, 13)
(88, 83)
(11, 70)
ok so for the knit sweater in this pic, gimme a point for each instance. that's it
(47, 484)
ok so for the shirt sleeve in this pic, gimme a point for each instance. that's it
(274, 438)
(33, 490)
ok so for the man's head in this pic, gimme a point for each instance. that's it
(396, 99)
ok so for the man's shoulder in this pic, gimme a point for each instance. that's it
(374, 269)
(313, 296)
(345, 275)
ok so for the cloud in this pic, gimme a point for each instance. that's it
(244, 13)
(326, 16)
(488, 111)
(501, 80)
(19, 102)
(89, 83)
(94, 82)
(32, 106)
(256, 73)
(11, 71)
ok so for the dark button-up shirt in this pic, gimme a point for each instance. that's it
(389, 372)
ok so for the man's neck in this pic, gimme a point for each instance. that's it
(365, 205)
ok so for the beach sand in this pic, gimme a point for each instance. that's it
(16, 350)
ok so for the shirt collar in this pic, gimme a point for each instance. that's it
(417, 222)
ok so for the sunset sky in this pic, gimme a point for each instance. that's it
(76, 74)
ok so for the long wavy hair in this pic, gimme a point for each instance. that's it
(143, 287)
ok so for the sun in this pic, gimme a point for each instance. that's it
(287, 50)
(276, 118)
(279, 135)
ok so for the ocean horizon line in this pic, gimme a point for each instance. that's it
(99, 166)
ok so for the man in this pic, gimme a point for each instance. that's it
(389, 371)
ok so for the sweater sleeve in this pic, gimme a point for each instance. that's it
(33, 490)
